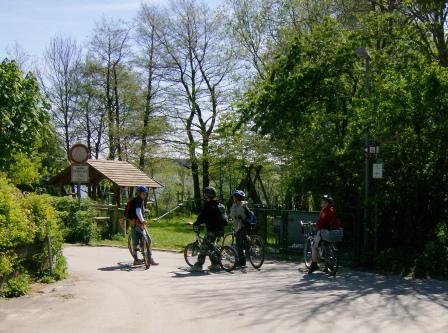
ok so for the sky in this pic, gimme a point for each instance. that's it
(32, 23)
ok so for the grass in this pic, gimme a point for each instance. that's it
(170, 234)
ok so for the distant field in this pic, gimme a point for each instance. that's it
(171, 233)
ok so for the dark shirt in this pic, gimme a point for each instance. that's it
(211, 216)
(137, 202)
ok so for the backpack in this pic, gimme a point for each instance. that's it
(224, 218)
(251, 220)
(128, 208)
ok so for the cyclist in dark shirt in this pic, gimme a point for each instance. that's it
(137, 220)
(212, 216)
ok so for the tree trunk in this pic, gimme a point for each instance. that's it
(117, 116)
(110, 116)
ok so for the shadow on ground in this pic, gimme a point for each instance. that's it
(122, 266)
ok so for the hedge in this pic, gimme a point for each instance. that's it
(26, 222)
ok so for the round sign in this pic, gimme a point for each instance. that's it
(79, 153)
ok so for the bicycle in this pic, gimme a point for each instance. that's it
(327, 250)
(255, 248)
(145, 245)
(224, 255)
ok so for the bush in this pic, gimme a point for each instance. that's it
(47, 224)
(17, 286)
(25, 224)
(15, 228)
(433, 262)
(78, 219)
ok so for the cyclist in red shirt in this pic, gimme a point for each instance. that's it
(327, 221)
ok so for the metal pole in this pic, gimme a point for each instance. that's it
(366, 162)
(366, 191)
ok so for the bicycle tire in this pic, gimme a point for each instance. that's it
(331, 258)
(146, 252)
(191, 252)
(256, 251)
(307, 253)
(130, 245)
(228, 258)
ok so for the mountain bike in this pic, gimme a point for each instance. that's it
(144, 246)
(255, 248)
(225, 255)
(327, 250)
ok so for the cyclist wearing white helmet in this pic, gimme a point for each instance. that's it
(327, 221)
(238, 215)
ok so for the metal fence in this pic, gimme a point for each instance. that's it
(283, 233)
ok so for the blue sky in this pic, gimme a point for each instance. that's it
(31, 23)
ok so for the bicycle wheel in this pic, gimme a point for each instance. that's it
(331, 258)
(307, 253)
(146, 252)
(191, 253)
(228, 240)
(131, 246)
(228, 257)
(256, 251)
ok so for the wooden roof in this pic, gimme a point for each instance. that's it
(121, 173)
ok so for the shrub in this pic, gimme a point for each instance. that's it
(17, 286)
(433, 262)
(47, 224)
(78, 219)
(15, 228)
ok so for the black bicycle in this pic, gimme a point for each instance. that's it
(327, 249)
(144, 246)
(226, 256)
(255, 248)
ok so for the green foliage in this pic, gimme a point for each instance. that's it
(15, 227)
(17, 286)
(77, 218)
(313, 103)
(23, 119)
(26, 222)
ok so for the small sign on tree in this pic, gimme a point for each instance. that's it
(377, 171)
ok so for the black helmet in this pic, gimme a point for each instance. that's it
(328, 198)
(210, 192)
(239, 194)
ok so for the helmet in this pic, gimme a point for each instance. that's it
(239, 194)
(142, 189)
(210, 192)
(328, 198)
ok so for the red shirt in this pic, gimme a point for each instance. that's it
(327, 219)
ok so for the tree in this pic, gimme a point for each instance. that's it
(198, 63)
(110, 46)
(26, 135)
(150, 61)
(61, 83)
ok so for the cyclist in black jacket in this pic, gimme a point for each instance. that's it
(213, 216)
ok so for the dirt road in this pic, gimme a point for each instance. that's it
(105, 294)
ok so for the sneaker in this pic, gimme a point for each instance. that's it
(138, 262)
(214, 267)
(314, 267)
(153, 262)
(196, 268)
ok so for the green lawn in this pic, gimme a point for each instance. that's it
(170, 233)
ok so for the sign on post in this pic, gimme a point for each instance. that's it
(377, 171)
(80, 174)
(79, 153)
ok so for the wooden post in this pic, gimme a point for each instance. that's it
(285, 231)
(156, 206)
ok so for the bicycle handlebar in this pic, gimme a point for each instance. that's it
(309, 223)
